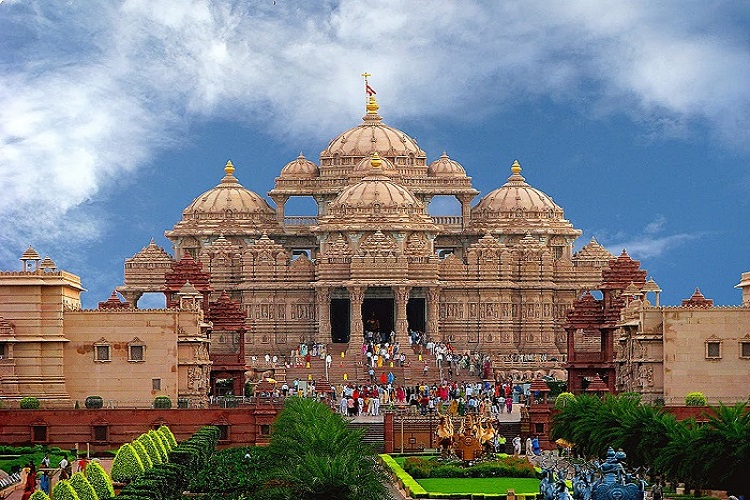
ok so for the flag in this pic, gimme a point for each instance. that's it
(369, 90)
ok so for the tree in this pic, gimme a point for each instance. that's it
(99, 480)
(316, 455)
(127, 465)
(83, 488)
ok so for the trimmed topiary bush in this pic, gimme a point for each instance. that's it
(93, 402)
(39, 495)
(167, 433)
(63, 490)
(142, 454)
(99, 480)
(29, 403)
(695, 399)
(563, 399)
(150, 446)
(83, 488)
(127, 465)
(161, 447)
(162, 402)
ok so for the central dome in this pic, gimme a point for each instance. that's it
(372, 136)
(376, 201)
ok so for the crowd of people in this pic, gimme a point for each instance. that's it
(40, 478)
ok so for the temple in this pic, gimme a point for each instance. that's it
(248, 283)
(498, 278)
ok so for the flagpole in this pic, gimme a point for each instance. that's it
(365, 75)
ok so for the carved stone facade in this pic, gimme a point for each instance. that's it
(499, 278)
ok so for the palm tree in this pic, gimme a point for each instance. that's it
(316, 455)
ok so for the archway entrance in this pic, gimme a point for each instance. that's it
(415, 314)
(340, 332)
(377, 317)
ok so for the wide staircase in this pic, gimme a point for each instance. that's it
(374, 433)
(353, 368)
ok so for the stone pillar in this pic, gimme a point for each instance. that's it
(131, 297)
(280, 202)
(323, 299)
(465, 210)
(401, 293)
(388, 432)
(433, 301)
(356, 297)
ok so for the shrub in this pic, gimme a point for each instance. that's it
(695, 399)
(29, 403)
(127, 465)
(142, 454)
(165, 432)
(564, 398)
(83, 488)
(150, 447)
(99, 480)
(162, 402)
(94, 402)
(39, 495)
(161, 447)
(448, 471)
(64, 491)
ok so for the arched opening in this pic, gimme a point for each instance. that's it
(301, 206)
(444, 205)
(152, 300)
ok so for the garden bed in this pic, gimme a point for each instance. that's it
(459, 487)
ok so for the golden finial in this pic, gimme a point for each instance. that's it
(516, 167)
(372, 106)
(376, 161)
(229, 168)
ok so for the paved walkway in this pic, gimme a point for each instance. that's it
(514, 416)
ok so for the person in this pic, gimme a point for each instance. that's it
(45, 461)
(30, 485)
(529, 450)
(44, 482)
(82, 463)
(657, 491)
(501, 441)
(535, 448)
(517, 445)
(64, 468)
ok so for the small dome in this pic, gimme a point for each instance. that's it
(445, 167)
(516, 200)
(375, 190)
(384, 166)
(300, 168)
(228, 200)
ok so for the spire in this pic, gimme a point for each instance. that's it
(376, 161)
(372, 104)
(229, 171)
(516, 167)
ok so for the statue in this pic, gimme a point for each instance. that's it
(445, 437)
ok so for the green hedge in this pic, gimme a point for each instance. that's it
(93, 402)
(413, 488)
(82, 487)
(167, 433)
(420, 468)
(39, 495)
(142, 454)
(99, 480)
(29, 403)
(150, 447)
(63, 490)
(127, 465)
(159, 442)
(162, 402)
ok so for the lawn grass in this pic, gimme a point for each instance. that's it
(481, 485)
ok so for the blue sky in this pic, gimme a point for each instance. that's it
(633, 116)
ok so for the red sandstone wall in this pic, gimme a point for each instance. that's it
(65, 428)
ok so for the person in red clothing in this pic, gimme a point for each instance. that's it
(30, 486)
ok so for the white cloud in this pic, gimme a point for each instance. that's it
(90, 90)
(645, 247)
